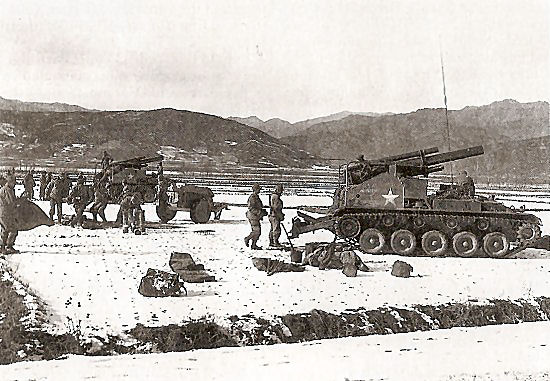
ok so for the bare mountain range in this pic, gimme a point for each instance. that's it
(373, 137)
(280, 128)
(516, 137)
(16, 105)
(181, 135)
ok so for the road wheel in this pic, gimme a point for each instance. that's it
(200, 212)
(434, 243)
(496, 245)
(403, 242)
(164, 213)
(371, 241)
(465, 244)
(349, 227)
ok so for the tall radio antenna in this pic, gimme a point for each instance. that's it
(446, 109)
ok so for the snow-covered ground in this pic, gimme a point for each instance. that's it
(92, 276)
(505, 352)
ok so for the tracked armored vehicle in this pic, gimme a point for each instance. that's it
(383, 206)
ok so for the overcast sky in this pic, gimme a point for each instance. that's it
(287, 59)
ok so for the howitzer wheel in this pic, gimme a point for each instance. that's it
(149, 195)
(434, 243)
(496, 245)
(528, 232)
(200, 212)
(465, 244)
(349, 227)
(371, 241)
(164, 213)
(403, 242)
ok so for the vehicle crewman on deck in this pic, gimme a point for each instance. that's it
(466, 184)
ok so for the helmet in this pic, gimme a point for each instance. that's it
(256, 187)
(279, 189)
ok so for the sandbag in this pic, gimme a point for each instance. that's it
(196, 276)
(183, 261)
(184, 265)
(401, 269)
(272, 266)
(158, 283)
(28, 215)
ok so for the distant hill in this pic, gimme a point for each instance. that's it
(16, 105)
(280, 128)
(515, 136)
(184, 135)
(387, 134)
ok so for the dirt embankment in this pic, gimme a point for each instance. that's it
(317, 324)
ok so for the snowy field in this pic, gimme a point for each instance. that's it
(505, 352)
(92, 276)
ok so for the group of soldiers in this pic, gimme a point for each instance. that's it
(58, 188)
(256, 212)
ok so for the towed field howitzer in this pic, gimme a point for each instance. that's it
(132, 171)
(383, 206)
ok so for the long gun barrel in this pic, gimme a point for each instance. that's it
(385, 161)
(140, 161)
(445, 157)
(409, 164)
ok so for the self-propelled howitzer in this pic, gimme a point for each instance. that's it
(383, 206)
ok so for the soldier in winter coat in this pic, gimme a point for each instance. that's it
(43, 185)
(276, 216)
(100, 201)
(254, 214)
(79, 198)
(55, 193)
(29, 184)
(8, 223)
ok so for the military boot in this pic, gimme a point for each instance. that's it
(246, 240)
(11, 250)
(276, 244)
(254, 246)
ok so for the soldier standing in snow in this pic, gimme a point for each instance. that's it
(276, 216)
(43, 185)
(54, 192)
(130, 208)
(100, 201)
(79, 198)
(254, 214)
(8, 228)
(29, 185)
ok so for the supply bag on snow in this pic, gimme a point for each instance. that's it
(157, 283)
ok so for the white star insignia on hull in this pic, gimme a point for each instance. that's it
(390, 198)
